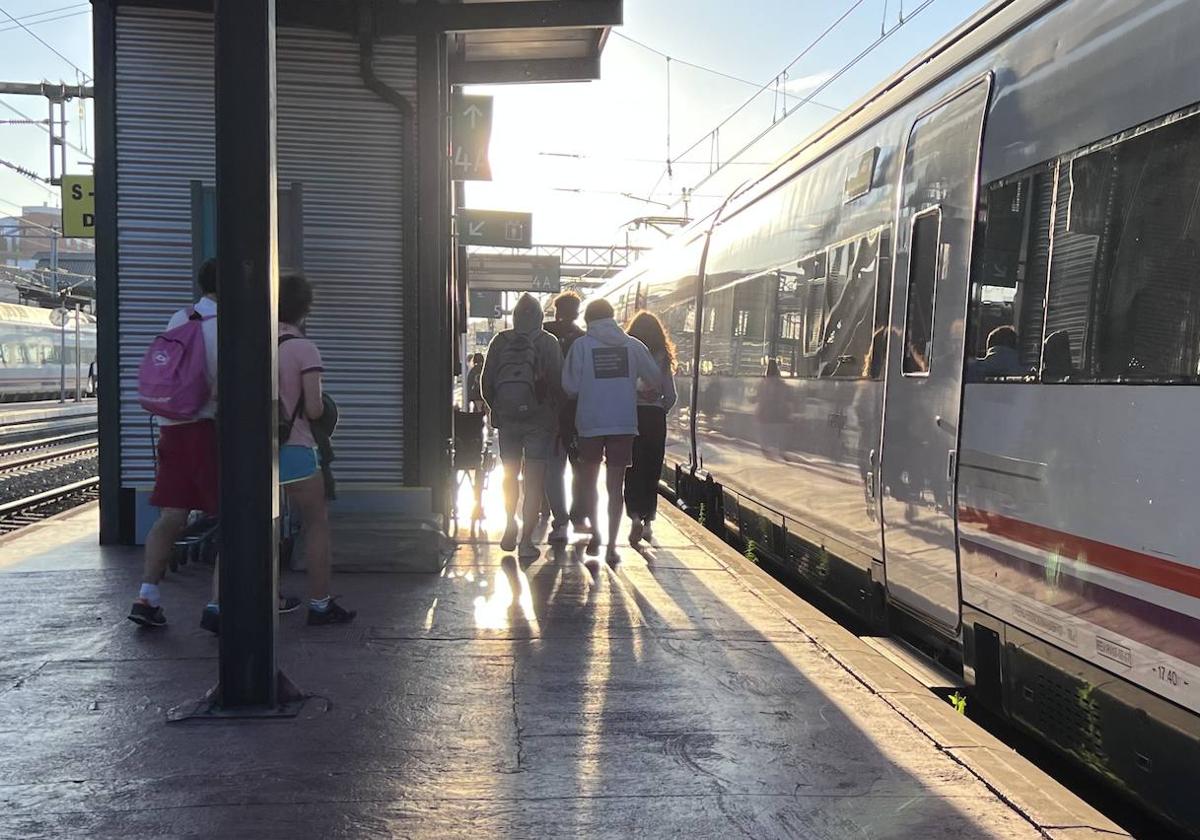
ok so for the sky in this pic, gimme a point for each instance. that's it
(587, 158)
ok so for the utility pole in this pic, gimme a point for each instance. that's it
(57, 96)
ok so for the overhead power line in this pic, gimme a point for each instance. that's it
(41, 41)
(713, 70)
(28, 173)
(13, 27)
(715, 131)
(841, 71)
(44, 128)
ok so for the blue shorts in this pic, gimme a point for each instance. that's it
(297, 463)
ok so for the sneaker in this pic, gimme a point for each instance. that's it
(509, 541)
(143, 614)
(558, 534)
(648, 530)
(333, 614)
(528, 551)
(289, 603)
(636, 532)
(210, 620)
(611, 556)
(593, 547)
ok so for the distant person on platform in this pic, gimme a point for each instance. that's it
(474, 394)
(603, 370)
(566, 330)
(186, 475)
(520, 384)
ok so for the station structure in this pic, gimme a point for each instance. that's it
(360, 93)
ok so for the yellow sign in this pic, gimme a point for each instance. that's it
(79, 206)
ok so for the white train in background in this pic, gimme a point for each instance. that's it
(942, 363)
(31, 357)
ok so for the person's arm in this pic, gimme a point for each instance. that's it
(553, 361)
(486, 388)
(670, 395)
(314, 403)
(572, 370)
(647, 369)
(311, 368)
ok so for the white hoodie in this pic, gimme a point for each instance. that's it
(603, 369)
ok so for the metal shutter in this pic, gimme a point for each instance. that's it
(341, 143)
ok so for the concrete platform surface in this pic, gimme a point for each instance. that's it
(680, 694)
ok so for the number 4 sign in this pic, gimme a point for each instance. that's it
(470, 134)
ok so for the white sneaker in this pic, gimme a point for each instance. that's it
(509, 541)
(647, 530)
(636, 532)
(558, 534)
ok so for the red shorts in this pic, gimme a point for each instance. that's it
(617, 450)
(187, 476)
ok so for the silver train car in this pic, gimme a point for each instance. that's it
(30, 351)
(942, 363)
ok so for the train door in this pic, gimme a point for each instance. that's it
(925, 367)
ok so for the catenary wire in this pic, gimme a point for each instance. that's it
(41, 41)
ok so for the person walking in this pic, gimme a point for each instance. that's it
(602, 371)
(566, 330)
(520, 384)
(474, 394)
(301, 404)
(649, 448)
(185, 477)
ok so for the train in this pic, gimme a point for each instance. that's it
(941, 364)
(31, 346)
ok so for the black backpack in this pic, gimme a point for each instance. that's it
(515, 392)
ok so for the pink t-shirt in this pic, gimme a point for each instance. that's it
(297, 356)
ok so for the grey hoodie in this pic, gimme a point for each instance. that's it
(527, 318)
(603, 368)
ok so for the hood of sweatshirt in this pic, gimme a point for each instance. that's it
(527, 314)
(607, 331)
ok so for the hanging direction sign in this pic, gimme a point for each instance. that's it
(79, 206)
(495, 227)
(513, 273)
(470, 134)
(485, 304)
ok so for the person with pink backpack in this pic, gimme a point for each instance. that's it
(177, 382)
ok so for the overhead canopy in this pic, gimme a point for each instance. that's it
(513, 41)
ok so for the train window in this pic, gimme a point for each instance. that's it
(1008, 285)
(851, 291)
(922, 283)
(1124, 294)
(799, 315)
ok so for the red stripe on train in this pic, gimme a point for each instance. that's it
(1145, 567)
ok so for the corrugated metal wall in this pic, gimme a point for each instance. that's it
(336, 139)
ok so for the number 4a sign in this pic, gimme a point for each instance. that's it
(470, 134)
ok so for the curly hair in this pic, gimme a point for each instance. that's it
(648, 329)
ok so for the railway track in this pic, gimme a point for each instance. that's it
(47, 465)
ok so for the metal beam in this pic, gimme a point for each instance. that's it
(116, 506)
(247, 290)
(50, 90)
(539, 14)
(514, 72)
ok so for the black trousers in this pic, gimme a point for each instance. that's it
(641, 479)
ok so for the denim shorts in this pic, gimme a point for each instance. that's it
(533, 442)
(297, 463)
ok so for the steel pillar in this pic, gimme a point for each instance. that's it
(247, 281)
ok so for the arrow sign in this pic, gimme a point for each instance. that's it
(470, 134)
(495, 227)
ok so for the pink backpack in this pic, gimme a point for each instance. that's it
(172, 381)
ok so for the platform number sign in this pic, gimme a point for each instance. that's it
(79, 206)
(470, 134)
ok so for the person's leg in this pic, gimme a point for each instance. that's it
(307, 497)
(511, 445)
(160, 542)
(535, 471)
(618, 451)
(556, 493)
(591, 451)
(655, 453)
(635, 502)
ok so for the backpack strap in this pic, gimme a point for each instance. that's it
(283, 339)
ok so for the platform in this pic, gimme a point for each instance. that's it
(681, 693)
(30, 412)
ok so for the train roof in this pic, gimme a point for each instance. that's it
(974, 36)
(12, 313)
